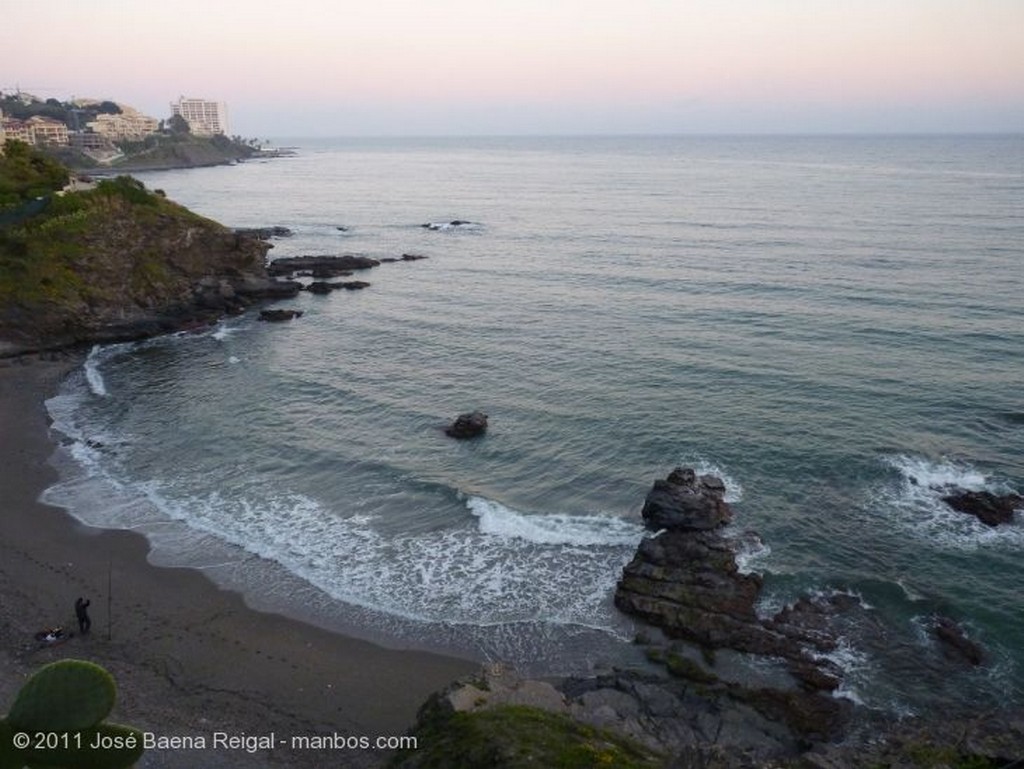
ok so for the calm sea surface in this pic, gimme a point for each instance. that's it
(833, 325)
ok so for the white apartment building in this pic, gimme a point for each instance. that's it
(205, 118)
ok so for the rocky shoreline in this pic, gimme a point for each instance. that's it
(724, 687)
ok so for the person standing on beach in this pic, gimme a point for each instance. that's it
(82, 613)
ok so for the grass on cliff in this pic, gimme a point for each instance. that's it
(26, 174)
(42, 251)
(514, 736)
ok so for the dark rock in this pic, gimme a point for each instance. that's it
(340, 228)
(685, 502)
(353, 285)
(991, 509)
(435, 226)
(687, 584)
(388, 260)
(320, 287)
(321, 266)
(468, 425)
(254, 287)
(955, 643)
(328, 272)
(412, 257)
(276, 316)
(265, 233)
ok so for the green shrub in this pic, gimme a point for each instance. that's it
(57, 719)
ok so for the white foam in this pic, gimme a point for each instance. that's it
(703, 466)
(563, 574)
(930, 474)
(914, 502)
(92, 372)
(750, 552)
(226, 329)
(495, 519)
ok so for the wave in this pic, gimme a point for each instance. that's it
(97, 355)
(492, 570)
(914, 500)
(495, 519)
(750, 551)
(704, 466)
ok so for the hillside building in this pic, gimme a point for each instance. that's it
(17, 130)
(46, 130)
(130, 125)
(205, 118)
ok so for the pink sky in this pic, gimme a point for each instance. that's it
(322, 67)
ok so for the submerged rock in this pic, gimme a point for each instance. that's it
(437, 226)
(955, 643)
(468, 425)
(276, 316)
(991, 509)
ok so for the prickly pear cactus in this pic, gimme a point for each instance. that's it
(56, 722)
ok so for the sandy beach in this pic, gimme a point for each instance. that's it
(189, 659)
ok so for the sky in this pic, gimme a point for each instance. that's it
(535, 67)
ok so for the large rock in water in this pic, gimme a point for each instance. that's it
(991, 509)
(685, 581)
(686, 502)
(468, 425)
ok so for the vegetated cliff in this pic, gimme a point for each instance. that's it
(120, 262)
(187, 151)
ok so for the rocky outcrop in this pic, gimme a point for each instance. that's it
(469, 425)
(991, 509)
(320, 266)
(685, 581)
(672, 720)
(124, 264)
(687, 503)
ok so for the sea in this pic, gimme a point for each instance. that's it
(834, 325)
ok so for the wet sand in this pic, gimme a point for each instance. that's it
(189, 658)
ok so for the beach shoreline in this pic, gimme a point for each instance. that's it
(190, 659)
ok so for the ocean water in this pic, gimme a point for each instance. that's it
(835, 325)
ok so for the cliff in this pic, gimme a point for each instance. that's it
(119, 262)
